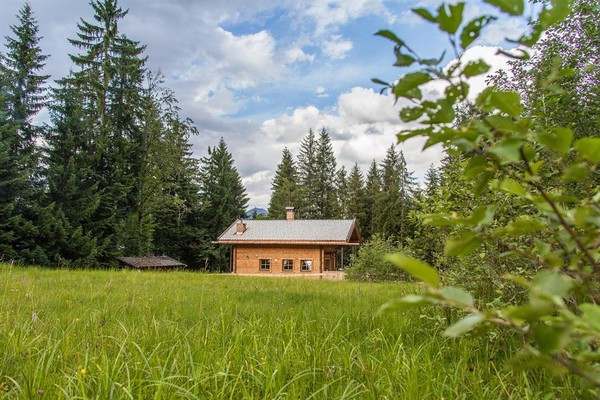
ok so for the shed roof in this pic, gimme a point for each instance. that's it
(328, 231)
(151, 262)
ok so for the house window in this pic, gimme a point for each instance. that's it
(265, 264)
(288, 265)
(306, 265)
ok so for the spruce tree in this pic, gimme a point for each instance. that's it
(342, 194)
(307, 176)
(170, 188)
(324, 195)
(109, 75)
(356, 197)
(388, 204)
(432, 180)
(22, 96)
(372, 193)
(223, 198)
(284, 189)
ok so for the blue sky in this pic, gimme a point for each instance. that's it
(262, 73)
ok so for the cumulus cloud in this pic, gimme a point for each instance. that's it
(336, 47)
(330, 15)
(296, 54)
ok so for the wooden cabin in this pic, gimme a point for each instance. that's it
(289, 246)
(162, 263)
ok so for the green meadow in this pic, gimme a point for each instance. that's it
(181, 335)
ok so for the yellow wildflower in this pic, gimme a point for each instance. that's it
(83, 371)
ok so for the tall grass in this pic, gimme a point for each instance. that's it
(122, 334)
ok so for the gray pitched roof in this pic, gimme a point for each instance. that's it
(293, 231)
(151, 262)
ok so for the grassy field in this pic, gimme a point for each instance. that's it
(123, 334)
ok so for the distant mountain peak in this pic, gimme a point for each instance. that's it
(261, 212)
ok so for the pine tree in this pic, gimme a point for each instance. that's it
(432, 180)
(22, 96)
(342, 193)
(324, 196)
(372, 193)
(109, 75)
(356, 197)
(388, 204)
(170, 187)
(307, 176)
(284, 189)
(25, 90)
(223, 198)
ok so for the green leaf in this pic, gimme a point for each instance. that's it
(425, 14)
(465, 325)
(512, 7)
(450, 17)
(589, 148)
(529, 312)
(575, 173)
(405, 135)
(457, 295)
(481, 183)
(550, 339)
(559, 11)
(472, 30)
(416, 268)
(408, 114)
(474, 167)
(391, 36)
(591, 315)
(508, 102)
(482, 215)
(380, 82)
(405, 87)
(408, 302)
(508, 149)
(558, 139)
(552, 283)
(462, 245)
(523, 225)
(475, 68)
(502, 123)
(511, 186)
(441, 113)
(403, 60)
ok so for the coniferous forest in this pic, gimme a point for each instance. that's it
(112, 174)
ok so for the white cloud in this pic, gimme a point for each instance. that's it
(363, 105)
(321, 92)
(296, 54)
(329, 15)
(336, 47)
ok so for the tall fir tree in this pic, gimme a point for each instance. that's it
(323, 198)
(342, 194)
(307, 175)
(356, 197)
(22, 96)
(223, 198)
(284, 189)
(372, 193)
(170, 192)
(108, 78)
(388, 204)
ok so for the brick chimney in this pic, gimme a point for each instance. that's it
(240, 227)
(290, 214)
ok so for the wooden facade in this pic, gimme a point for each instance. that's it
(289, 246)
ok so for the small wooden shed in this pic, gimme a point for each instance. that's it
(153, 262)
(288, 246)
